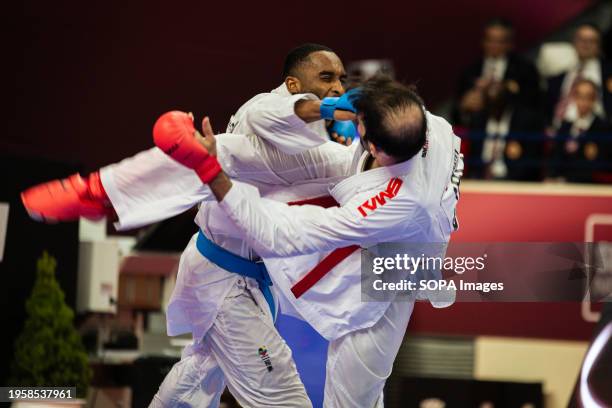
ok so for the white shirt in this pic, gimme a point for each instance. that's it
(494, 144)
(581, 125)
(494, 68)
(591, 70)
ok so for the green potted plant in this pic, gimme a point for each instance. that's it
(49, 351)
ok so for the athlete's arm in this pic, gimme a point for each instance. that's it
(294, 123)
(276, 229)
(273, 228)
(150, 187)
(310, 111)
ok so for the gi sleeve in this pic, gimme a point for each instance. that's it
(150, 187)
(275, 229)
(273, 118)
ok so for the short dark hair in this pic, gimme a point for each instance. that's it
(590, 25)
(580, 81)
(500, 22)
(393, 115)
(299, 55)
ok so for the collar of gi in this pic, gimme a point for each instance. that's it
(282, 90)
(369, 179)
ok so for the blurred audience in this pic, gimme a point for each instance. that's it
(582, 145)
(502, 139)
(607, 43)
(514, 134)
(498, 64)
(592, 66)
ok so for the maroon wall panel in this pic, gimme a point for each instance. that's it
(518, 217)
(91, 77)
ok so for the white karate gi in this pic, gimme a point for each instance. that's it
(365, 339)
(227, 313)
(365, 336)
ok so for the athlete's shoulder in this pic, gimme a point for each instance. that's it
(254, 103)
(256, 100)
(437, 123)
(440, 133)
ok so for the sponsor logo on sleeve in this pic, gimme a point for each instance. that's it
(380, 199)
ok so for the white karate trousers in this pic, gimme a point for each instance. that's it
(359, 363)
(243, 350)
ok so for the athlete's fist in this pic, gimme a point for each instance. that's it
(175, 134)
(67, 199)
(341, 108)
(343, 132)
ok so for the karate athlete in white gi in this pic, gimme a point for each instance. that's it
(229, 316)
(404, 187)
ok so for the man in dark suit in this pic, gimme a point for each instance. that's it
(607, 43)
(592, 66)
(506, 139)
(497, 64)
(582, 146)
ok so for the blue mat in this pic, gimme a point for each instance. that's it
(309, 352)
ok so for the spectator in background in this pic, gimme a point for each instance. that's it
(506, 139)
(582, 146)
(607, 43)
(497, 64)
(591, 65)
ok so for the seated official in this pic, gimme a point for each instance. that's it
(505, 141)
(498, 64)
(592, 66)
(583, 142)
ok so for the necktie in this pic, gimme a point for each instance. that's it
(564, 100)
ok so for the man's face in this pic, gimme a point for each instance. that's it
(586, 43)
(497, 42)
(323, 75)
(585, 97)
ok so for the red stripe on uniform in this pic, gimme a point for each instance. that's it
(323, 201)
(319, 271)
(330, 260)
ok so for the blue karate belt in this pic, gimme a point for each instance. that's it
(236, 264)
